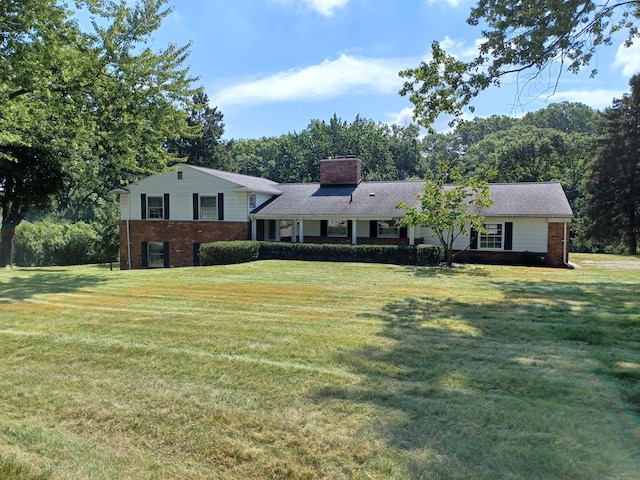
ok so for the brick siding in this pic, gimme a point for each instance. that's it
(340, 171)
(180, 235)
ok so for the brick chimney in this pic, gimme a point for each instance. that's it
(340, 171)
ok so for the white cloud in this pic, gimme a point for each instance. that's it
(597, 99)
(628, 59)
(453, 3)
(331, 78)
(325, 7)
(403, 118)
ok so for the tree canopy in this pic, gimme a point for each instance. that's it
(100, 103)
(520, 38)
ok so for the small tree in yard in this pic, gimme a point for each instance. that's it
(449, 209)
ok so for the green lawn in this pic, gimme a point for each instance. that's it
(321, 370)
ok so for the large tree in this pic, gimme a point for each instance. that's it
(204, 146)
(519, 37)
(450, 205)
(613, 183)
(99, 102)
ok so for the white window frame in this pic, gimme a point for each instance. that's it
(337, 224)
(488, 241)
(155, 254)
(155, 212)
(384, 225)
(208, 213)
(252, 201)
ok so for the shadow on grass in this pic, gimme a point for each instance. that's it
(465, 270)
(506, 389)
(44, 281)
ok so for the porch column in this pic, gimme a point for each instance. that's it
(254, 229)
(354, 232)
(302, 230)
(412, 235)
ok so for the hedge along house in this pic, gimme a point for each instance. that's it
(165, 217)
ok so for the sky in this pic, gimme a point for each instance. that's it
(272, 66)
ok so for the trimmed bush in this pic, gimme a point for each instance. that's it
(224, 253)
(220, 253)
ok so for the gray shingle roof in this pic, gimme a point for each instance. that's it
(246, 182)
(379, 200)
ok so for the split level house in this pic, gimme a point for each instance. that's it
(166, 217)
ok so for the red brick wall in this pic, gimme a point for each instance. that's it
(555, 246)
(180, 235)
(340, 171)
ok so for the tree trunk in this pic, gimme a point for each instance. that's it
(6, 245)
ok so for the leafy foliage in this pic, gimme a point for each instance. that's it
(100, 103)
(612, 202)
(449, 209)
(519, 38)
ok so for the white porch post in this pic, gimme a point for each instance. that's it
(354, 231)
(254, 229)
(302, 230)
(412, 235)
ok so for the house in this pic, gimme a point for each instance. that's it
(165, 217)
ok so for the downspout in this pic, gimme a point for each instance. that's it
(564, 248)
(129, 234)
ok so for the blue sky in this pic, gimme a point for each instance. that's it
(271, 66)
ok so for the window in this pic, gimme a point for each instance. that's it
(388, 228)
(156, 254)
(155, 207)
(179, 175)
(493, 238)
(337, 228)
(252, 201)
(286, 229)
(208, 208)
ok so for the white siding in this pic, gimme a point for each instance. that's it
(530, 235)
(181, 194)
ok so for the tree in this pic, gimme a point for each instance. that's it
(205, 146)
(99, 102)
(613, 184)
(521, 38)
(449, 210)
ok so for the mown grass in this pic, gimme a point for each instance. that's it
(321, 370)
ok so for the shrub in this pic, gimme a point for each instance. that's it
(47, 242)
(223, 253)
(219, 253)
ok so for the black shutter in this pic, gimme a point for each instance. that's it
(143, 206)
(145, 254)
(324, 226)
(474, 240)
(373, 228)
(260, 230)
(166, 206)
(272, 229)
(403, 232)
(196, 254)
(508, 236)
(221, 206)
(196, 206)
(350, 225)
(166, 254)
